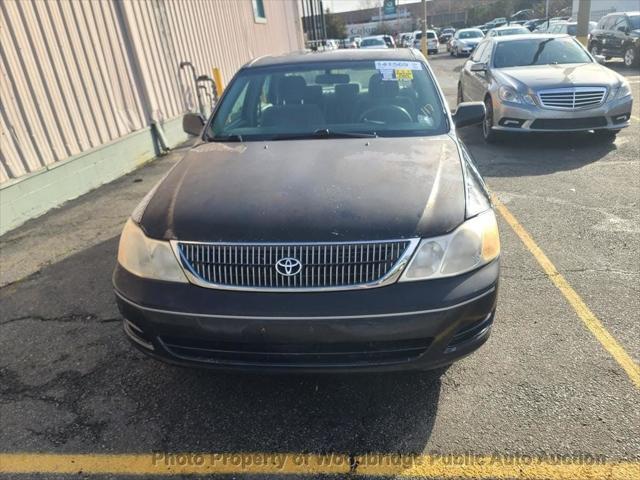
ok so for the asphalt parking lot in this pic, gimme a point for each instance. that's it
(549, 396)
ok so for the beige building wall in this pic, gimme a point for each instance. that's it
(78, 74)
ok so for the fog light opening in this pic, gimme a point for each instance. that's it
(621, 118)
(511, 122)
(136, 334)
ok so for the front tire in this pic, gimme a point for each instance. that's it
(489, 135)
(630, 57)
(594, 50)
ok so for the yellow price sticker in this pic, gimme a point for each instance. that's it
(404, 74)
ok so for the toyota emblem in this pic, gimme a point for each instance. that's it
(288, 266)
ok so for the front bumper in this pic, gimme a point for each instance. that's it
(413, 325)
(511, 117)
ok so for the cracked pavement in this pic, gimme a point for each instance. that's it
(542, 385)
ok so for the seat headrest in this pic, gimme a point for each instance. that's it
(292, 88)
(379, 88)
(313, 94)
(347, 90)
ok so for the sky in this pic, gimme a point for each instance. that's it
(345, 5)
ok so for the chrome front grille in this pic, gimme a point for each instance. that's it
(573, 98)
(304, 266)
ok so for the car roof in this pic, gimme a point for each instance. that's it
(334, 56)
(528, 36)
(630, 14)
(507, 27)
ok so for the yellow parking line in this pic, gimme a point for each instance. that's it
(633, 117)
(464, 466)
(583, 311)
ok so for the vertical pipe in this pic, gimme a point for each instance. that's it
(324, 25)
(136, 70)
(423, 41)
(304, 17)
(311, 32)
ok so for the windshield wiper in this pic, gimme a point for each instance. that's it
(326, 133)
(234, 137)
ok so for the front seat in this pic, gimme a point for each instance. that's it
(293, 112)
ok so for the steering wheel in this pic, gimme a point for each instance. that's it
(385, 114)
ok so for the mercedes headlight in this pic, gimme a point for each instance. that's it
(509, 94)
(146, 257)
(622, 92)
(473, 244)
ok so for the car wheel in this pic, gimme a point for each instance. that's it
(489, 135)
(630, 57)
(594, 50)
(606, 135)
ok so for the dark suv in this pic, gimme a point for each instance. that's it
(617, 35)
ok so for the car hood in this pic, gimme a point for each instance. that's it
(557, 76)
(311, 190)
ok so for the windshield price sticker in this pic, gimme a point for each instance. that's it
(387, 74)
(394, 65)
(404, 74)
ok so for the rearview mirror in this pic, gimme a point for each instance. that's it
(479, 67)
(192, 123)
(469, 113)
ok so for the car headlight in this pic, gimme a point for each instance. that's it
(146, 257)
(508, 94)
(624, 90)
(473, 244)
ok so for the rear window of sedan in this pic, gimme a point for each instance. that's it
(543, 51)
(385, 98)
(470, 34)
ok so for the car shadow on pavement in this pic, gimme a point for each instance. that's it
(518, 155)
(70, 382)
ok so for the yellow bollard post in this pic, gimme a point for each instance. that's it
(217, 77)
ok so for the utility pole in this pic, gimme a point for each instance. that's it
(584, 15)
(423, 41)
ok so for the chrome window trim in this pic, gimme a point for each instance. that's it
(573, 90)
(392, 275)
(326, 317)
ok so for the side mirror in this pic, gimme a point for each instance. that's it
(601, 59)
(479, 67)
(192, 123)
(469, 113)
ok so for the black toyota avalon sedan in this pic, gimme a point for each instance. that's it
(327, 219)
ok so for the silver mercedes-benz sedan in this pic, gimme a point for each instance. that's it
(544, 83)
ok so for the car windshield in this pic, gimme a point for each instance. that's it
(470, 34)
(635, 22)
(337, 99)
(371, 42)
(544, 51)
